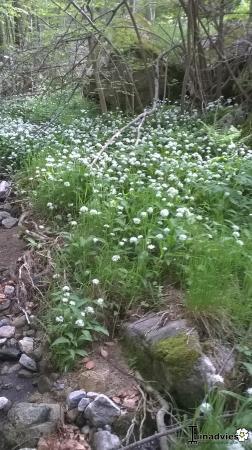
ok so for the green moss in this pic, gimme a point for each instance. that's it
(177, 354)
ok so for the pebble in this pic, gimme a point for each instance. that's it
(74, 398)
(5, 404)
(44, 384)
(4, 189)
(19, 322)
(10, 222)
(28, 363)
(2, 341)
(9, 290)
(4, 322)
(9, 353)
(23, 373)
(7, 331)
(83, 404)
(4, 215)
(26, 345)
(5, 305)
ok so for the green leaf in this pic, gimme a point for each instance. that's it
(100, 329)
(81, 352)
(248, 367)
(60, 340)
(86, 336)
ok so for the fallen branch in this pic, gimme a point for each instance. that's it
(153, 438)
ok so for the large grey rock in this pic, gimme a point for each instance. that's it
(10, 222)
(149, 328)
(102, 411)
(169, 354)
(28, 422)
(74, 398)
(7, 331)
(28, 363)
(34, 413)
(104, 440)
(28, 414)
(9, 353)
(26, 345)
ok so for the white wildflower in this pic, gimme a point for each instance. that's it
(116, 258)
(79, 323)
(164, 213)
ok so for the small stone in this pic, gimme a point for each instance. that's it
(102, 411)
(38, 353)
(28, 363)
(23, 373)
(4, 215)
(104, 440)
(29, 333)
(92, 395)
(9, 353)
(19, 388)
(74, 398)
(9, 290)
(4, 322)
(2, 341)
(10, 222)
(44, 384)
(7, 331)
(5, 207)
(72, 415)
(83, 404)
(5, 305)
(5, 404)
(26, 345)
(19, 322)
(85, 430)
(4, 189)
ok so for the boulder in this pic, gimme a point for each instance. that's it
(169, 354)
(27, 422)
(104, 440)
(102, 411)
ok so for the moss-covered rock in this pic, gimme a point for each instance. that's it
(178, 355)
(170, 357)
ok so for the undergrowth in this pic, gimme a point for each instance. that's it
(175, 205)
